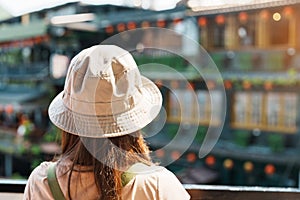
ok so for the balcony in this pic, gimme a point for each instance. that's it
(31, 71)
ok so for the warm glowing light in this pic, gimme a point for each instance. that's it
(131, 25)
(220, 19)
(109, 29)
(191, 157)
(228, 84)
(264, 14)
(210, 84)
(276, 16)
(9, 109)
(137, 3)
(161, 23)
(121, 27)
(243, 17)
(248, 166)
(210, 160)
(145, 24)
(202, 21)
(160, 153)
(270, 169)
(288, 11)
(246, 84)
(228, 163)
(175, 155)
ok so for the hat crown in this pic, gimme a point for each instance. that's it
(102, 78)
(105, 95)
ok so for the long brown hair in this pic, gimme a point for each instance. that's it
(116, 153)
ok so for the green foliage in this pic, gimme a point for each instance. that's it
(16, 175)
(275, 142)
(35, 163)
(172, 129)
(35, 149)
(201, 133)
(241, 138)
(52, 135)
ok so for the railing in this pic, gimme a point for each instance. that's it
(32, 71)
(13, 190)
(216, 192)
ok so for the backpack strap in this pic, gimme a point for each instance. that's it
(135, 169)
(53, 183)
(126, 177)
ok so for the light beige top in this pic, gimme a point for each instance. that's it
(156, 184)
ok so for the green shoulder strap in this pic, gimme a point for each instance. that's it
(53, 183)
(126, 177)
(129, 174)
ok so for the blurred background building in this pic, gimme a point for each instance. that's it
(253, 43)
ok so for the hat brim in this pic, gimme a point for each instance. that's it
(120, 124)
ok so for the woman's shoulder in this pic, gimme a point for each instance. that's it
(41, 170)
(37, 185)
(158, 181)
(143, 171)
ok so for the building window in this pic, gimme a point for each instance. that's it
(273, 111)
(219, 31)
(189, 106)
(279, 30)
(246, 29)
(210, 109)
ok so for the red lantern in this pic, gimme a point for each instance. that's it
(202, 21)
(109, 29)
(9, 109)
(161, 23)
(227, 84)
(177, 20)
(175, 155)
(220, 19)
(270, 169)
(121, 27)
(288, 11)
(264, 14)
(191, 157)
(131, 25)
(160, 153)
(210, 160)
(243, 17)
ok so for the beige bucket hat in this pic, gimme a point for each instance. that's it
(105, 95)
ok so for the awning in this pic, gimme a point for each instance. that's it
(206, 8)
(4, 15)
(19, 32)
